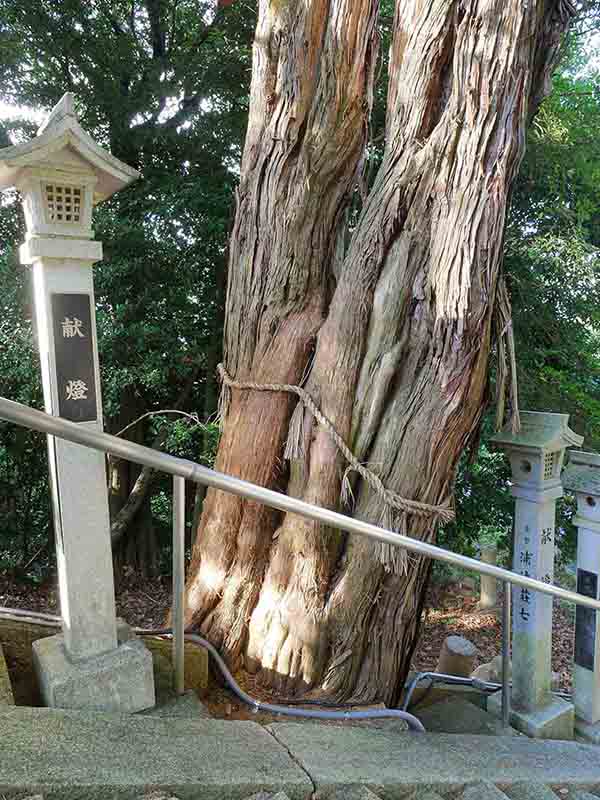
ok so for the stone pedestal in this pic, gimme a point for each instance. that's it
(489, 585)
(536, 455)
(552, 720)
(582, 476)
(121, 679)
(61, 174)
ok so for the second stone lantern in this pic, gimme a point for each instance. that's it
(536, 457)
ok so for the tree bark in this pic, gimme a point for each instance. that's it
(401, 357)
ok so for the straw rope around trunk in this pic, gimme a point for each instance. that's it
(393, 501)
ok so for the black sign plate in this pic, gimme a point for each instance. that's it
(72, 324)
(585, 621)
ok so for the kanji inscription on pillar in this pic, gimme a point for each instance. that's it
(585, 620)
(534, 557)
(73, 344)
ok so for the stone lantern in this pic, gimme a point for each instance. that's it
(536, 457)
(61, 174)
(582, 477)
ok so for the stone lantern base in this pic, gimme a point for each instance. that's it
(554, 720)
(121, 680)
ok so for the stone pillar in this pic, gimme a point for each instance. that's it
(66, 331)
(488, 597)
(61, 174)
(582, 476)
(536, 455)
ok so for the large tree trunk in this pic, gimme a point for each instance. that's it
(312, 75)
(402, 344)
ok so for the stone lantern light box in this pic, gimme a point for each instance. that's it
(583, 478)
(537, 452)
(62, 173)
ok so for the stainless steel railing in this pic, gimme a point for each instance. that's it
(183, 469)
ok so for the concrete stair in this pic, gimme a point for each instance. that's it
(476, 791)
(72, 755)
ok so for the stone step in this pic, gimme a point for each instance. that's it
(76, 755)
(445, 763)
(530, 791)
(482, 790)
(267, 796)
(457, 715)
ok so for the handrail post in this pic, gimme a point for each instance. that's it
(179, 582)
(506, 623)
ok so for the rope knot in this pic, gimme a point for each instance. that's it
(397, 507)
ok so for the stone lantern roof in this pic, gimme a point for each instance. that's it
(540, 431)
(62, 143)
(583, 473)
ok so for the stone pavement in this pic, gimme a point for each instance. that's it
(73, 755)
(474, 791)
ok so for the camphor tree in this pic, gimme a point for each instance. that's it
(389, 330)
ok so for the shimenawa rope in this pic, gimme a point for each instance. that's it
(442, 513)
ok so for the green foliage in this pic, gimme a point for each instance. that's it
(555, 285)
(197, 442)
(484, 505)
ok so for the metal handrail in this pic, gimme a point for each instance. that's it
(79, 434)
(189, 470)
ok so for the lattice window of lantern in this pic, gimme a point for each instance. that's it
(549, 464)
(63, 203)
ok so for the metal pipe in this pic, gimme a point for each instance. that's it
(442, 677)
(179, 582)
(71, 431)
(413, 723)
(506, 636)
